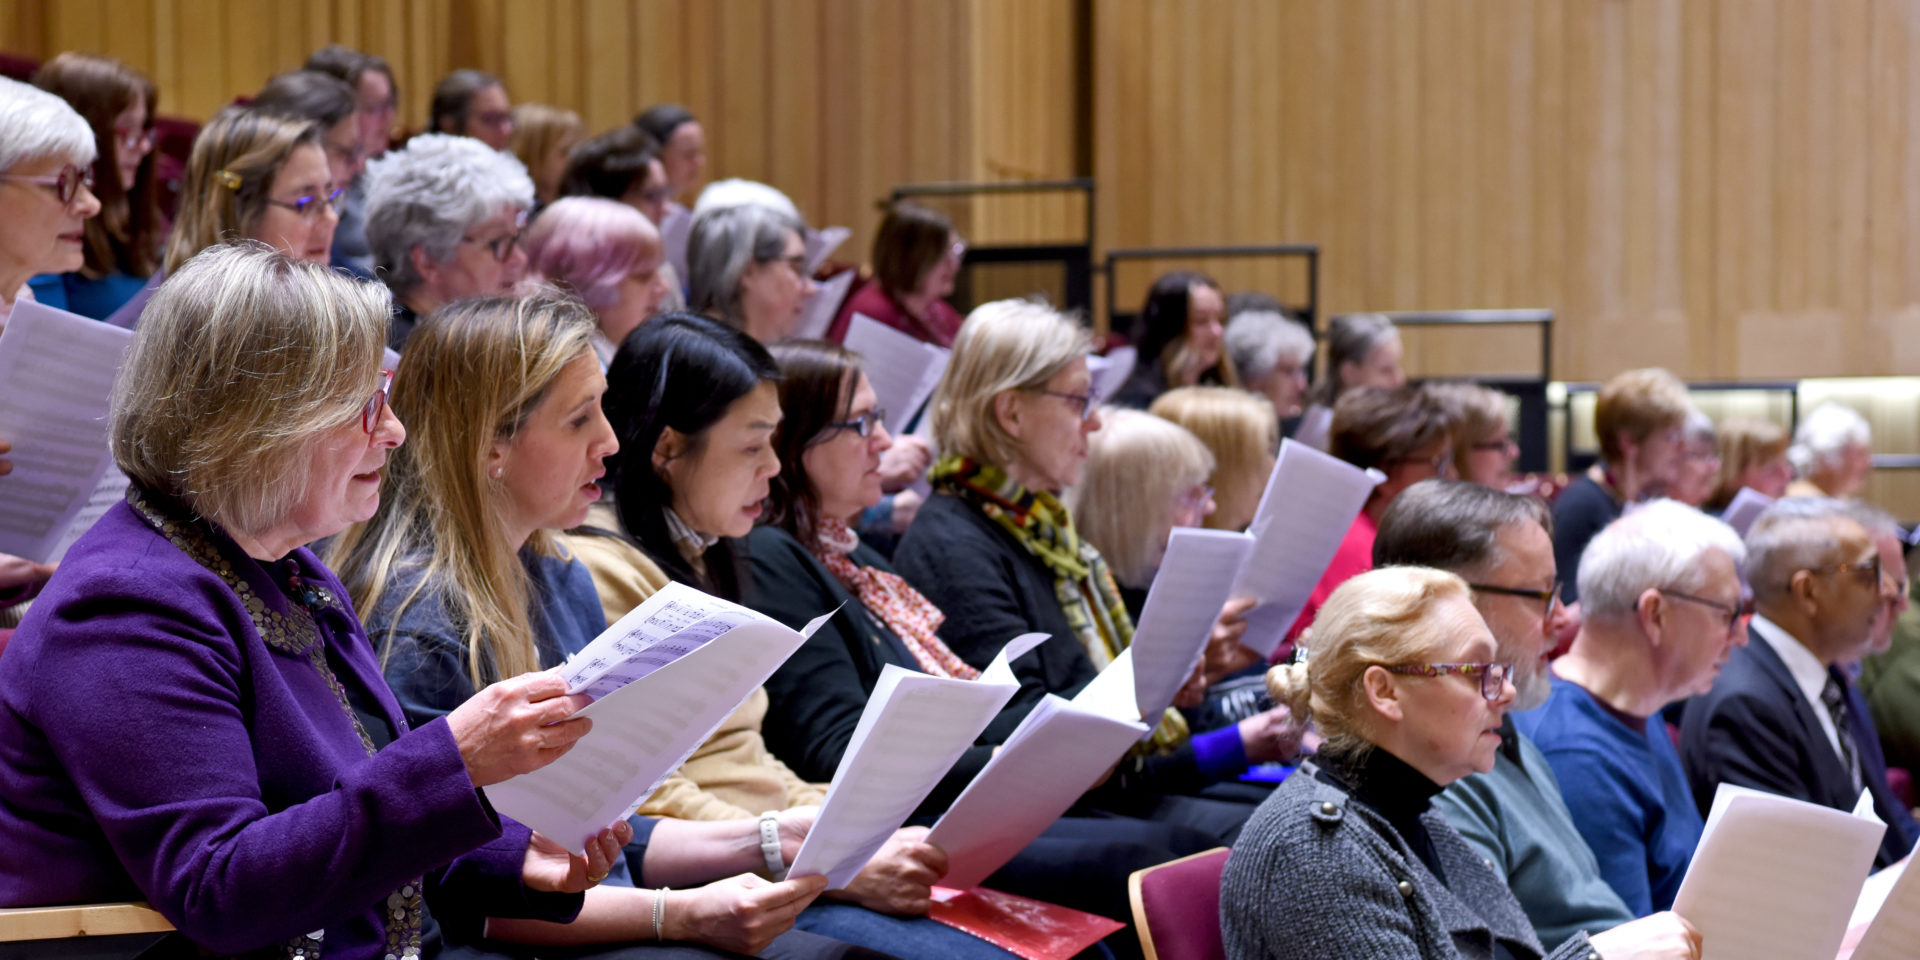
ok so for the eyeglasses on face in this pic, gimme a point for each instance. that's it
(1866, 571)
(797, 263)
(501, 247)
(1441, 464)
(131, 139)
(864, 425)
(376, 404)
(1193, 499)
(66, 185)
(1493, 676)
(310, 205)
(1082, 403)
(1734, 613)
(1549, 598)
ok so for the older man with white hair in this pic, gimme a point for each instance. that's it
(1784, 717)
(1832, 452)
(1662, 604)
(444, 216)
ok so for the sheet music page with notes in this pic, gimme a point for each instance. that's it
(664, 678)
(1310, 501)
(58, 369)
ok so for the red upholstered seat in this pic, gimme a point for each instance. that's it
(1176, 907)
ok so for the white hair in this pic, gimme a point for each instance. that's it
(1699, 427)
(35, 124)
(1824, 436)
(722, 194)
(1257, 340)
(430, 193)
(1657, 546)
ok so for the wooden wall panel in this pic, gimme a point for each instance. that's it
(1730, 188)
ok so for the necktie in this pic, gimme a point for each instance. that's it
(1834, 697)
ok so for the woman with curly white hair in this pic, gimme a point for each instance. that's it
(46, 196)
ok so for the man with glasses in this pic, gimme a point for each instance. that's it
(1784, 717)
(1662, 608)
(1513, 815)
(444, 215)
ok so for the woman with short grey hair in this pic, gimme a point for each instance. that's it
(1832, 452)
(1363, 350)
(1272, 353)
(444, 216)
(747, 267)
(221, 727)
(46, 178)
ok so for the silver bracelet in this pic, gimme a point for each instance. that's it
(659, 913)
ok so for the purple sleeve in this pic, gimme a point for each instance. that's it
(157, 729)
(486, 883)
(1220, 753)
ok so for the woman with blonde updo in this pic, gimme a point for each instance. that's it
(1403, 684)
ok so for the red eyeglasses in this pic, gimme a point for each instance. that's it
(376, 404)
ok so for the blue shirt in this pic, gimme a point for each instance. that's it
(1625, 789)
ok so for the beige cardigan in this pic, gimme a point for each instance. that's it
(733, 774)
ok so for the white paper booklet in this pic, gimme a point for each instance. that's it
(56, 375)
(816, 317)
(662, 679)
(914, 728)
(1194, 581)
(1111, 371)
(1776, 877)
(1745, 508)
(1310, 501)
(902, 369)
(1889, 906)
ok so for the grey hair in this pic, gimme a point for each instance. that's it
(735, 192)
(1793, 534)
(1659, 545)
(429, 193)
(35, 124)
(1824, 435)
(1699, 427)
(1257, 340)
(1877, 522)
(1452, 525)
(723, 243)
(1350, 338)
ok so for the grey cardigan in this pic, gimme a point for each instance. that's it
(1315, 875)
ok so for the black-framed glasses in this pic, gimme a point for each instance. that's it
(1442, 463)
(1503, 445)
(865, 425)
(1733, 612)
(66, 185)
(309, 206)
(1550, 597)
(1493, 677)
(1083, 403)
(501, 247)
(376, 404)
(797, 263)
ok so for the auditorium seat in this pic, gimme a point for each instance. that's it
(1176, 907)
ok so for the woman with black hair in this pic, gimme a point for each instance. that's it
(1181, 335)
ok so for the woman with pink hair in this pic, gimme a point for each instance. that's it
(607, 254)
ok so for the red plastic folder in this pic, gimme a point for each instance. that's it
(1026, 928)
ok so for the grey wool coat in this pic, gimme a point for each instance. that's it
(1316, 875)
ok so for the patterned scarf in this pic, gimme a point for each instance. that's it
(1082, 583)
(912, 617)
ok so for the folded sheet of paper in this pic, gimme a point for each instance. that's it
(663, 679)
(1776, 877)
(1310, 501)
(1194, 581)
(1745, 509)
(903, 370)
(58, 370)
(822, 243)
(1889, 905)
(1112, 370)
(915, 726)
(816, 315)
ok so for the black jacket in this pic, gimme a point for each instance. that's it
(1756, 729)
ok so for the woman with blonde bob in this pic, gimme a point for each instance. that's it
(1483, 447)
(1242, 433)
(463, 581)
(1403, 683)
(543, 136)
(1753, 454)
(1145, 476)
(609, 255)
(999, 554)
(220, 726)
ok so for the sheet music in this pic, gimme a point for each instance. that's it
(1112, 370)
(1310, 501)
(914, 728)
(1890, 907)
(1194, 581)
(646, 729)
(1746, 507)
(673, 622)
(1775, 877)
(903, 370)
(58, 369)
(1000, 668)
(816, 318)
(1056, 754)
(822, 243)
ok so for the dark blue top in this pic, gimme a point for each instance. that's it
(1626, 791)
(94, 299)
(426, 656)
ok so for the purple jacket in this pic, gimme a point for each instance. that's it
(153, 746)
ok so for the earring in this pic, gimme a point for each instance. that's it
(497, 471)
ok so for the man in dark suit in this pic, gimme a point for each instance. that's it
(1784, 717)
